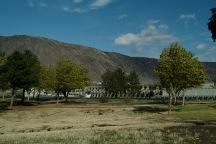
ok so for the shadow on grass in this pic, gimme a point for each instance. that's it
(199, 134)
(150, 109)
(3, 106)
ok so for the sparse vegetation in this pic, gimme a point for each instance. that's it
(119, 123)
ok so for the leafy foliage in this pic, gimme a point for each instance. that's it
(178, 70)
(22, 71)
(70, 76)
(47, 79)
(4, 85)
(133, 82)
(212, 23)
(117, 82)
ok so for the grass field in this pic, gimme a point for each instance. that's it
(141, 122)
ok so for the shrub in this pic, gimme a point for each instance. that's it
(103, 99)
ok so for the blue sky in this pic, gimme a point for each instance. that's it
(132, 27)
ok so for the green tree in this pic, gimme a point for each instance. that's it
(70, 76)
(107, 82)
(134, 83)
(31, 71)
(178, 70)
(212, 24)
(47, 79)
(4, 85)
(21, 71)
(115, 82)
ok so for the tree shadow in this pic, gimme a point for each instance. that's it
(199, 134)
(150, 109)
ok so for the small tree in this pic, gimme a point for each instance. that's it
(178, 70)
(107, 82)
(212, 24)
(70, 76)
(134, 83)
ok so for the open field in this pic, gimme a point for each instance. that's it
(115, 122)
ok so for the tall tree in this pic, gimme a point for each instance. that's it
(178, 70)
(212, 24)
(31, 71)
(21, 71)
(70, 76)
(15, 72)
(4, 85)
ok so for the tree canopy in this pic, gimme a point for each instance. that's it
(118, 82)
(70, 76)
(178, 70)
(4, 85)
(212, 24)
(22, 71)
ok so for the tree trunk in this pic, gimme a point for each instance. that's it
(170, 104)
(175, 100)
(28, 96)
(65, 96)
(3, 95)
(38, 96)
(23, 96)
(183, 99)
(57, 99)
(12, 98)
(33, 95)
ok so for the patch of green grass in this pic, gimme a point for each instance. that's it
(202, 111)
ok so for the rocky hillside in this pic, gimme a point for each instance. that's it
(49, 51)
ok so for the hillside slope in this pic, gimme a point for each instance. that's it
(49, 51)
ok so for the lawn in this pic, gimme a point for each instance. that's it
(140, 122)
(197, 111)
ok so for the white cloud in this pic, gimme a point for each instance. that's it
(150, 35)
(99, 4)
(76, 10)
(186, 18)
(153, 21)
(79, 10)
(201, 46)
(164, 26)
(123, 16)
(206, 47)
(77, 1)
(127, 39)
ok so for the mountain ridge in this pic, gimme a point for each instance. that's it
(49, 51)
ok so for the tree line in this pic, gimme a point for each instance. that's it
(117, 82)
(22, 70)
(177, 70)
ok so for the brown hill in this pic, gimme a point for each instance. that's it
(97, 61)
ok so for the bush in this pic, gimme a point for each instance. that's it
(128, 100)
(103, 99)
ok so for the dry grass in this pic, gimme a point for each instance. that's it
(87, 123)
